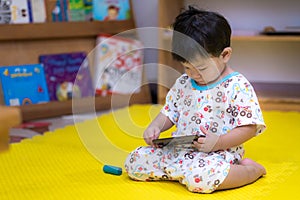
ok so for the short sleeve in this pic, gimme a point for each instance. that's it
(244, 106)
(170, 109)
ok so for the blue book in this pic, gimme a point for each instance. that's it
(111, 10)
(24, 84)
(60, 11)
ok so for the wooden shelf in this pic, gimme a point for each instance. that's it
(278, 96)
(285, 38)
(281, 104)
(266, 38)
(83, 105)
(62, 29)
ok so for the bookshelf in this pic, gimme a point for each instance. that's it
(28, 41)
(56, 108)
(56, 30)
(270, 99)
(23, 43)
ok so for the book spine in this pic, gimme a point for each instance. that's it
(63, 9)
(30, 11)
(60, 12)
(38, 11)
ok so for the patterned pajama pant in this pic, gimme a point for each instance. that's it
(200, 172)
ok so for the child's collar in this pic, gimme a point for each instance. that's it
(214, 84)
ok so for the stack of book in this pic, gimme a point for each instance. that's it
(38, 11)
(117, 64)
(58, 77)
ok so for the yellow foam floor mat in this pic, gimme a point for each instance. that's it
(67, 163)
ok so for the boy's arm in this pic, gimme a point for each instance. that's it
(163, 122)
(235, 137)
(159, 124)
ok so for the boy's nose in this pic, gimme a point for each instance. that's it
(195, 72)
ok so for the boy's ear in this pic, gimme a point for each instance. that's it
(226, 54)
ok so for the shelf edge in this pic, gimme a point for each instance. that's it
(53, 30)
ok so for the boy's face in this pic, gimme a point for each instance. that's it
(204, 71)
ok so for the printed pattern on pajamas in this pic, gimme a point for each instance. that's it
(200, 172)
(219, 107)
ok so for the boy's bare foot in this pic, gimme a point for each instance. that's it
(257, 166)
(247, 171)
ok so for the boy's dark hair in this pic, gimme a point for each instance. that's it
(208, 29)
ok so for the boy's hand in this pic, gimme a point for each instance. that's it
(151, 133)
(207, 143)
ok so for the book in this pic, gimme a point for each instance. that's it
(111, 10)
(80, 10)
(37, 11)
(14, 12)
(76, 11)
(88, 7)
(60, 11)
(67, 75)
(23, 84)
(118, 65)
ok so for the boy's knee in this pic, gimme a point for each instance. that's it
(132, 162)
(132, 158)
(139, 163)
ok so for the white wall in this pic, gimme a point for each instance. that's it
(146, 12)
(271, 61)
(264, 61)
(254, 14)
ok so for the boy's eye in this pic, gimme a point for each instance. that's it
(201, 68)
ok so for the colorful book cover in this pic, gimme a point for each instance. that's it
(88, 7)
(23, 84)
(67, 75)
(118, 65)
(60, 11)
(76, 10)
(14, 12)
(80, 10)
(111, 9)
